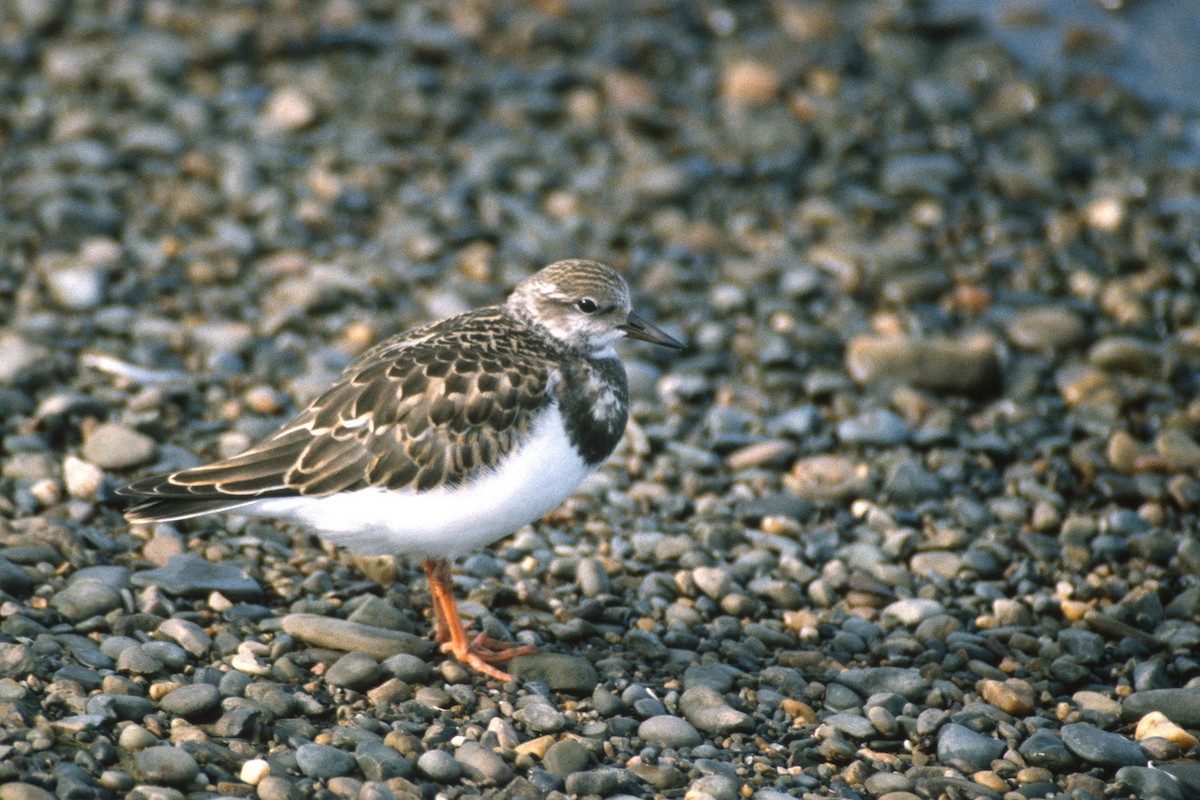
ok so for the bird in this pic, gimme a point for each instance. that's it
(441, 439)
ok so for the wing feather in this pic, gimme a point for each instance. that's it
(431, 408)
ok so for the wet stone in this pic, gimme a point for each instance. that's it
(1150, 782)
(1101, 747)
(1181, 706)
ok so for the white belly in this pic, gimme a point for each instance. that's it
(445, 523)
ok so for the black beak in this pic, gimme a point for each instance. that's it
(637, 328)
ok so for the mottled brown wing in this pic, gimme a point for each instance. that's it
(431, 408)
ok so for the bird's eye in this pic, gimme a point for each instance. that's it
(587, 305)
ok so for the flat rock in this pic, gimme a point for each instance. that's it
(970, 364)
(867, 681)
(1181, 706)
(112, 446)
(340, 634)
(1101, 747)
(187, 575)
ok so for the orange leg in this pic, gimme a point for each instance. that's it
(478, 653)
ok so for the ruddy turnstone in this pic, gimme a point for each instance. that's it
(442, 439)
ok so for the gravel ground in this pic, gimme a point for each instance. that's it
(913, 517)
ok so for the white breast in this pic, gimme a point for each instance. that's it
(445, 523)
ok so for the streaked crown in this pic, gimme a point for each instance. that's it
(578, 302)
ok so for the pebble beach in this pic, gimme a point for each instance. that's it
(914, 515)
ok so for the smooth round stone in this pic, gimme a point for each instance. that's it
(86, 598)
(1150, 782)
(482, 765)
(189, 575)
(912, 610)
(1046, 329)
(440, 766)
(169, 765)
(379, 762)
(1101, 747)
(565, 757)
(24, 791)
(188, 635)
(542, 717)
(709, 712)
(408, 668)
(852, 725)
(666, 730)
(592, 577)
(964, 749)
(602, 782)
(717, 787)
(354, 671)
(1181, 706)
(274, 787)
(112, 446)
(323, 761)
(1045, 749)
(878, 428)
(194, 700)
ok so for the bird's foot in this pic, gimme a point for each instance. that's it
(482, 651)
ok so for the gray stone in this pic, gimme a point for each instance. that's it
(408, 668)
(565, 757)
(561, 672)
(340, 634)
(440, 766)
(666, 730)
(165, 764)
(194, 700)
(354, 671)
(966, 750)
(111, 446)
(867, 681)
(878, 428)
(187, 575)
(852, 725)
(188, 635)
(87, 598)
(13, 579)
(602, 781)
(481, 765)
(541, 717)
(378, 762)
(1181, 706)
(709, 712)
(1101, 747)
(1150, 782)
(323, 761)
